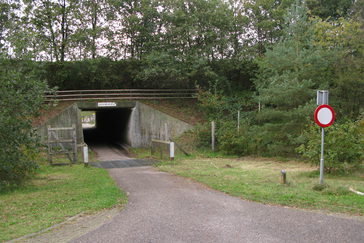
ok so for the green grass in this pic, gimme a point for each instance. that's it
(258, 179)
(140, 153)
(87, 113)
(55, 194)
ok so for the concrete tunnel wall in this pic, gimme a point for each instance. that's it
(131, 123)
(147, 123)
(66, 118)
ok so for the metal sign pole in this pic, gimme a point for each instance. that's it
(322, 157)
(322, 98)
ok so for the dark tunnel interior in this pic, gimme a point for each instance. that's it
(111, 127)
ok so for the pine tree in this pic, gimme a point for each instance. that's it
(288, 80)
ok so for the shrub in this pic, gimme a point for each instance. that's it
(21, 96)
(228, 139)
(344, 145)
(236, 142)
(203, 134)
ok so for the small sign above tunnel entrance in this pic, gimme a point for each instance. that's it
(106, 104)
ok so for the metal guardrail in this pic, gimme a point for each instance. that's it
(119, 94)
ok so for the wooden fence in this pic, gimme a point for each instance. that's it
(165, 148)
(120, 94)
(62, 141)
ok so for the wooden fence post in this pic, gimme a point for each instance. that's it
(213, 135)
(238, 121)
(50, 149)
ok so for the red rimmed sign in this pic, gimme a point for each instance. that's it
(324, 115)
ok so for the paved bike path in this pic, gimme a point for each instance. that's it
(166, 208)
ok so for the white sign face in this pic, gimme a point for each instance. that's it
(324, 116)
(106, 104)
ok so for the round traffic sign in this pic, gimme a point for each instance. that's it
(324, 115)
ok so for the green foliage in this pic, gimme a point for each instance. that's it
(287, 84)
(349, 82)
(312, 54)
(258, 179)
(6, 19)
(21, 96)
(161, 70)
(156, 70)
(238, 73)
(202, 134)
(220, 106)
(319, 187)
(54, 195)
(233, 141)
(343, 149)
(330, 8)
(267, 18)
(228, 139)
(100, 73)
(342, 45)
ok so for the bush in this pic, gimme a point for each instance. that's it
(101, 73)
(228, 139)
(235, 142)
(21, 96)
(344, 145)
(203, 134)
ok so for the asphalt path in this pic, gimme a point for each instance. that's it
(166, 208)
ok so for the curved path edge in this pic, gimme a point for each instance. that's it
(166, 208)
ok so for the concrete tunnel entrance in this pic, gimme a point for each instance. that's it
(117, 123)
(111, 128)
(120, 123)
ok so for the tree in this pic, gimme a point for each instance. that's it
(238, 30)
(290, 73)
(266, 19)
(21, 96)
(342, 41)
(140, 25)
(92, 24)
(332, 9)
(349, 84)
(5, 10)
(54, 22)
(8, 19)
(188, 37)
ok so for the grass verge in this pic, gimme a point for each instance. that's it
(55, 194)
(258, 179)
